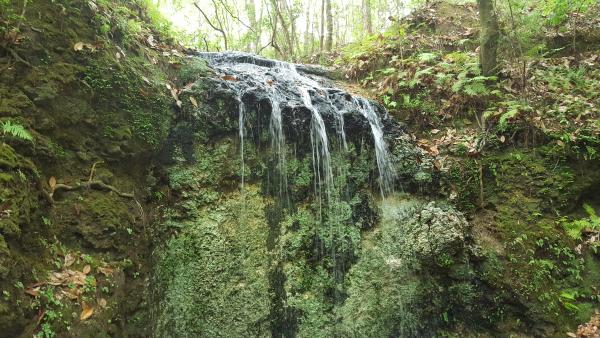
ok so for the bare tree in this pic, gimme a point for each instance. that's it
(219, 28)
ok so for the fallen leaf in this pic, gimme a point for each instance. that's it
(34, 292)
(106, 271)
(52, 182)
(67, 277)
(193, 101)
(269, 82)
(72, 294)
(435, 131)
(69, 260)
(78, 46)
(433, 150)
(229, 78)
(86, 311)
(174, 94)
(86, 269)
(102, 303)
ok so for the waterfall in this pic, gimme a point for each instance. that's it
(387, 174)
(278, 144)
(282, 82)
(320, 146)
(241, 110)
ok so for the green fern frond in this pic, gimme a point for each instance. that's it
(16, 130)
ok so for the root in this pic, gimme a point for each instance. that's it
(98, 185)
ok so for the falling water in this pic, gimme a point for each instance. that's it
(387, 174)
(241, 110)
(278, 144)
(274, 79)
(320, 145)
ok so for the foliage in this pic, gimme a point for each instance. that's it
(576, 227)
(16, 130)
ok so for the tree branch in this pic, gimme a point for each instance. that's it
(220, 30)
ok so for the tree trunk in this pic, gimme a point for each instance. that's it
(285, 27)
(251, 12)
(367, 13)
(322, 32)
(329, 40)
(489, 38)
(307, 30)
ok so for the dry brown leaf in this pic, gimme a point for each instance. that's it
(69, 259)
(229, 78)
(106, 271)
(174, 94)
(72, 294)
(433, 150)
(86, 269)
(78, 46)
(86, 311)
(34, 292)
(193, 101)
(52, 182)
(67, 277)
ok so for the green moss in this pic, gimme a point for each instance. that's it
(213, 275)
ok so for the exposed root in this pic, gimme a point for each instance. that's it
(98, 185)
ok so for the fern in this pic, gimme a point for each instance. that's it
(575, 228)
(16, 130)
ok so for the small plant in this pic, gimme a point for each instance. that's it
(16, 130)
(575, 228)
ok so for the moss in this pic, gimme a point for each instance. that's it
(213, 275)
(413, 275)
(192, 69)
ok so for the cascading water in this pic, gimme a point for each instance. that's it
(241, 110)
(387, 174)
(320, 146)
(286, 83)
(278, 144)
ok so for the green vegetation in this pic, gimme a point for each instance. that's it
(122, 211)
(15, 130)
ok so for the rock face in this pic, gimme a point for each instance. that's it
(263, 244)
(413, 274)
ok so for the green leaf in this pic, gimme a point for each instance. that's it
(16, 130)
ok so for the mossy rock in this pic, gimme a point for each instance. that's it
(213, 276)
